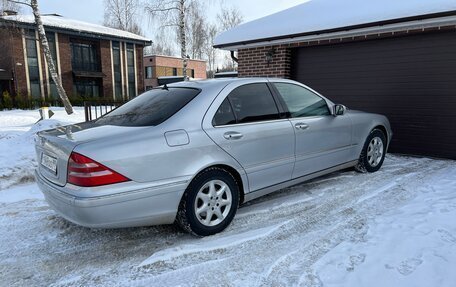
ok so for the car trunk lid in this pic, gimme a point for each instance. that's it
(54, 147)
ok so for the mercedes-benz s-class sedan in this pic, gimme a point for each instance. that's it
(192, 152)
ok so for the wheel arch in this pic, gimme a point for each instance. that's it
(242, 182)
(384, 131)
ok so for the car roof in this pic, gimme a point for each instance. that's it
(217, 82)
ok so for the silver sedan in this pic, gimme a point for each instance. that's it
(192, 152)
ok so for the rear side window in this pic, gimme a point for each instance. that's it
(252, 103)
(302, 102)
(224, 115)
(151, 108)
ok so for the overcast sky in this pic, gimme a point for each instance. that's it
(92, 10)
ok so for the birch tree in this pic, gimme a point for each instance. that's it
(122, 14)
(47, 53)
(172, 14)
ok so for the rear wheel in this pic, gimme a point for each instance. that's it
(209, 203)
(373, 153)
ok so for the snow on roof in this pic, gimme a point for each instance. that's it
(319, 15)
(56, 21)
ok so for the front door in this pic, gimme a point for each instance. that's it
(322, 140)
(247, 126)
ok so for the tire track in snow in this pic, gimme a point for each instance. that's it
(211, 243)
(300, 261)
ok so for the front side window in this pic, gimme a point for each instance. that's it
(302, 102)
(250, 103)
(151, 108)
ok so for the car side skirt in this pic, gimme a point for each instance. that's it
(261, 192)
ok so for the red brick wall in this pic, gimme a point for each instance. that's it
(18, 58)
(12, 39)
(254, 62)
(140, 68)
(65, 63)
(106, 69)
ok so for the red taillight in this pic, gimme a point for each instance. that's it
(83, 171)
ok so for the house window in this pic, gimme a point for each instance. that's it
(117, 71)
(84, 57)
(52, 46)
(131, 71)
(192, 73)
(149, 72)
(174, 71)
(86, 87)
(32, 63)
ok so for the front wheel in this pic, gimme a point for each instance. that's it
(373, 153)
(209, 203)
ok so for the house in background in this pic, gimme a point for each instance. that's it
(396, 58)
(94, 61)
(161, 70)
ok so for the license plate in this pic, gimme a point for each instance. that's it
(49, 162)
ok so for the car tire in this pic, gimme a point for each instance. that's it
(209, 203)
(373, 153)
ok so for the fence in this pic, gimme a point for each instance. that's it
(96, 109)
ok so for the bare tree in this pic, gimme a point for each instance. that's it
(229, 18)
(47, 53)
(161, 45)
(6, 5)
(122, 14)
(172, 14)
(211, 52)
(197, 26)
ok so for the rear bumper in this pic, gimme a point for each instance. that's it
(132, 207)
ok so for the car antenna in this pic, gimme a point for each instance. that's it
(165, 87)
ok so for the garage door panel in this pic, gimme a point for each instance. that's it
(410, 79)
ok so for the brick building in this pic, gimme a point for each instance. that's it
(94, 61)
(390, 57)
(164, 67)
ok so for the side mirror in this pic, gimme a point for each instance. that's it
(339, 110)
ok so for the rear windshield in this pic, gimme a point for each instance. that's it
(151, 108)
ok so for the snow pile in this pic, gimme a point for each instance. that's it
(318, 15)
(17, 131)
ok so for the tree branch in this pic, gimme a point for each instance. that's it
(20, 3)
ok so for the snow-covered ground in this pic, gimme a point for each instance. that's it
(17, 130)
(395, 227)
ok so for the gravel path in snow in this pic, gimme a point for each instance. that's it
(273, 241)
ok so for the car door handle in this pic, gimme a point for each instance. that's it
(301, 126)
(232, 135)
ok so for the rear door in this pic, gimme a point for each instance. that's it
(322, 140)
(246, 122)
